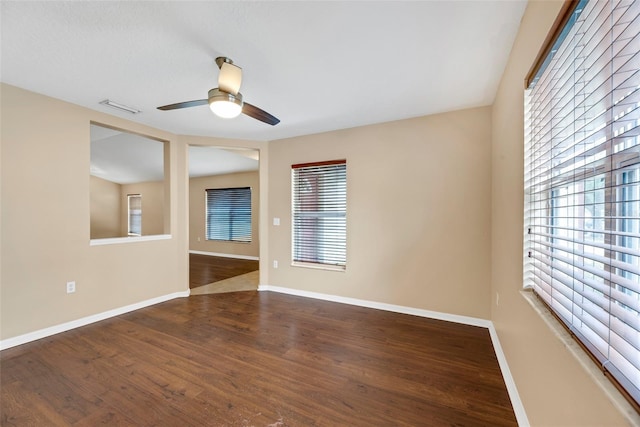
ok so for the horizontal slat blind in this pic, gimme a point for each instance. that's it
(320, 213)
(582, 184)
(135, 214)
(229, 214)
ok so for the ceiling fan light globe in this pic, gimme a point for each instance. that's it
(225, 105)
(225, 109)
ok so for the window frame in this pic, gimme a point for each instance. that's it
(232, 195)
(131, 213)
(570, 270)
(326, 246)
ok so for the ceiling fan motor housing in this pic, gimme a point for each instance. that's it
(217, 94)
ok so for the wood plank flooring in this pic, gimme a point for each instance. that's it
(205, 269)
(257, 359)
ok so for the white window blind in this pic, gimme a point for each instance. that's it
(228, 214)
(320, 213)
(134, 218)
(582, 184)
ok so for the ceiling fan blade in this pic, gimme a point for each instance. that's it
(186, 104)
(259, 114)
(230, 78)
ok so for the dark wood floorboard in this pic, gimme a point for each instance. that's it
(257, 359)
(205, 269)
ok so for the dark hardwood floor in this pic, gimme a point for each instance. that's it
(205, 269)
(256, 359)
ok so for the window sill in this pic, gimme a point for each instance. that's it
(227, 241)
(616, 398)
(132, 239)
(319, 266)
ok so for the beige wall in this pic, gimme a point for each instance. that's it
(555, 389)
(197, 210)
(105, 208)
(152, 207)
(46, 149)
(418, 205)
(109, 208)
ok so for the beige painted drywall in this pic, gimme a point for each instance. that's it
(152, 207)
(418, 208)
(105, 207)
(197, 211)
(46, 153)
(109, 208)
(555, 389)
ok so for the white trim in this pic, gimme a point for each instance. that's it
(319, 266)
(128, 239)
(249, 257)
(46, 332)
(474, 321)
(518, 407)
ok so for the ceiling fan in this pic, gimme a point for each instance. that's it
(225, 100)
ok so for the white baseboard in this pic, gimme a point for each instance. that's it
(249, 257)
(474, 321)
(46, 332)
(518, 407)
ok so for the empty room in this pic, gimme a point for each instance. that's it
(329, 213)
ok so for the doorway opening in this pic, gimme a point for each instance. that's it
(224, 203)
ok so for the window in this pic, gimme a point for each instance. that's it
(229, 214)
(582, 183)
(134, 221)
(320, 213)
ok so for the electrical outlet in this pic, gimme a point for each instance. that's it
(275, 263)
(71, 287)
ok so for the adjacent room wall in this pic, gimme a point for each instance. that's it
(418, 212)
(105, 208)
(152, 207)
(46, 149)
(555, 389)
(197, 210)
(109, 208)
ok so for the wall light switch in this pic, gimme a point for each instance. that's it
(275, 263)
(71, 287)
(276, 221)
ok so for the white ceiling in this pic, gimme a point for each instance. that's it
(126, 158)
(317, 66)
